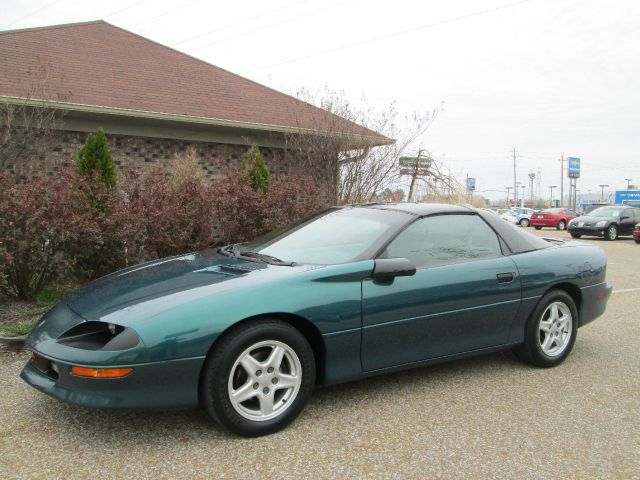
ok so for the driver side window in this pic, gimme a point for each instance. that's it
(445, 239)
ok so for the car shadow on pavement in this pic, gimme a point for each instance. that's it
(107, 426)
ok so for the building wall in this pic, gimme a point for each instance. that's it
(147, 153)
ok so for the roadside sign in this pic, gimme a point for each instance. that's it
(574, 167)
(410, 162)
(627, 196)
(471, 183)
(410, 171)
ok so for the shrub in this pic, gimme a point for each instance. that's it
(163, 215)
(41, 222)
(243, 213)
(253, 165)
(95, 158)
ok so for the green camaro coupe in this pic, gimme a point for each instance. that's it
(248, 330)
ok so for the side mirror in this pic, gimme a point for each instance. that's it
(393, 267)
(624, 217)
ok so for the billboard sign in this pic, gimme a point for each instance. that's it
(410, 162)
(574, 167)
(631, 197)
(471, 183)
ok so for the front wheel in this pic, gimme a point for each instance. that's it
(538, 228)
(576, 235)
(524, 222)
(550, 331)
(561, 225)
(258, 378)
(611, 233)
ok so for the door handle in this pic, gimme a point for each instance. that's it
(505, 277)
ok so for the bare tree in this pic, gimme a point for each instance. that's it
(355, 165)
(27, 123)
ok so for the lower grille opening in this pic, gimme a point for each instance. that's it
(45, 365)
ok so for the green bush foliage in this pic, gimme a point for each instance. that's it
(254, 166)
(94, 158)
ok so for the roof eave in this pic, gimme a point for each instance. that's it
(189, 119)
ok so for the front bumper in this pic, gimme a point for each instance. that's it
(595, 232)
(166, 384)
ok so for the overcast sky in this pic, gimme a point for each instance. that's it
(548, 77)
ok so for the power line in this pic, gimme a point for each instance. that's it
(33, 12)
(390, 35)
(124, 9)
(271, 25)
(240, 22)
(164, 13)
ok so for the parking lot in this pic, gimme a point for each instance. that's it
(489, 416)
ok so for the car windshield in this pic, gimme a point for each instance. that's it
(605, 212)
(552, 210)
(334, 236)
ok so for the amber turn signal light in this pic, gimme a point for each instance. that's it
(100, 372)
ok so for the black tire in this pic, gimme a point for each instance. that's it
(538, 228)
(531, 350)
(524, 222)
(611, 233)
(561, 225)
(637, 241)
(576, 235)
(214, 393)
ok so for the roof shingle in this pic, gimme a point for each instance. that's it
(100, 64)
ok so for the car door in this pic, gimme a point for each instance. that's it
(627, 221)
(463, 296)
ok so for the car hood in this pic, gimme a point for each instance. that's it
(171, 280)
(590, 219)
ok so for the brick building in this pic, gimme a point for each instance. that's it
(151, 100)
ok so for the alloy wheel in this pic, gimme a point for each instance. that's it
(554, 329)
(265, 380)
(612, 232)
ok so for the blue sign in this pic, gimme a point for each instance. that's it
(631, 197)
(574, 167)
(471, 183)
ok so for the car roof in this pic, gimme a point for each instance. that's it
(418, 209)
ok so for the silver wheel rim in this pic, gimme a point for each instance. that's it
(524, 222)
(554, 329)
(612, 232)
(265, 380)
(561, 225)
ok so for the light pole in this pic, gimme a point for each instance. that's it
(523, 187)
(531, 177)
(508, 193)
(602, 187)
(551, 187)
(628, 183)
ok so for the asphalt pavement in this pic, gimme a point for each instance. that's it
(489, 416)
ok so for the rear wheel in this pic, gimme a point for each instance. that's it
(637, 240)
(524, 222)
(561, 225)
(576, 235)
(258, 378)
(538, 228)
(611, 233)
(550, 331)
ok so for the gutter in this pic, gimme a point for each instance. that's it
(189, 119)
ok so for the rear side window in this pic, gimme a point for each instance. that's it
(445, 239)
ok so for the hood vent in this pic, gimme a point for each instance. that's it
(230, 269)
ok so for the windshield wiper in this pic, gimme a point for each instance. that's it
(266, 258)
(232, 250)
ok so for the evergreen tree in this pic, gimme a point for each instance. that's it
(254, 166)
(95, 157)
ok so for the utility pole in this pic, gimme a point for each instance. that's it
(602, 187)
(515, 185)
(561, 179)
(508, 188)
(531, 177)
(523, 187)
(551, 187)
(628, 183)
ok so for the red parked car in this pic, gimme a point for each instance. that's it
(636, 233)
(553, 217)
